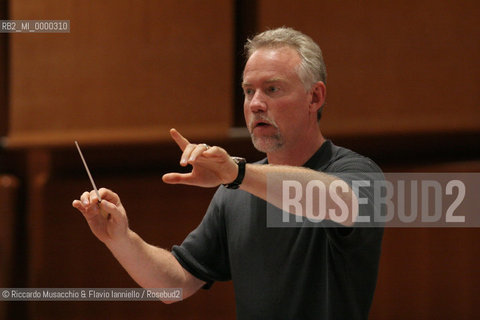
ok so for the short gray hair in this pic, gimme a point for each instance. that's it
(312, 67)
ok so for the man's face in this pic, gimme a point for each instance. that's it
(276, 102)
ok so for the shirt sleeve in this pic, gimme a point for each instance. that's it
(204, 252)
(363, 173)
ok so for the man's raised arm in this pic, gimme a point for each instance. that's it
(149, 266)
(212, 166)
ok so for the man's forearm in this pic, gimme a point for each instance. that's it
(266, 181)
(152, 267)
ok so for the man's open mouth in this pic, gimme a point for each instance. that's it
(261, 124)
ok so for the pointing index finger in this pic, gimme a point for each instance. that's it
(179, 139)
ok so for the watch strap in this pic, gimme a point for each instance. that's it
(241, 163)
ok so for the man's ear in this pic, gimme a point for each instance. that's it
(318, 96)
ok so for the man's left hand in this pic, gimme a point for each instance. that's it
(212, 166)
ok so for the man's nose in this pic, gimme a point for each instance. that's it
(258, 103)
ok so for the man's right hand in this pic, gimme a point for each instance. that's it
(110, 229)
(149, 266)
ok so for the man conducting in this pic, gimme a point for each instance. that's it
(316, 269)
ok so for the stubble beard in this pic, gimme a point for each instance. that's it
(267, 144)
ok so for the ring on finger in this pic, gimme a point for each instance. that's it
(206, 146)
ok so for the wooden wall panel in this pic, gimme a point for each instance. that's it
(8, 202)
(8, 206)
(3, 74)
(127, 71)
(428, 274)
(394, 66)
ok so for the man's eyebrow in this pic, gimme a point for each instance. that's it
(275, 80)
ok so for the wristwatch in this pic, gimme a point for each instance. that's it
(241, 162)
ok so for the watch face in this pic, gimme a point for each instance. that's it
(238, 159)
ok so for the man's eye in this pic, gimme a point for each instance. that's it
(273, 89)
(248, 92)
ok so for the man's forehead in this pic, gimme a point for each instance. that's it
(271, 64)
